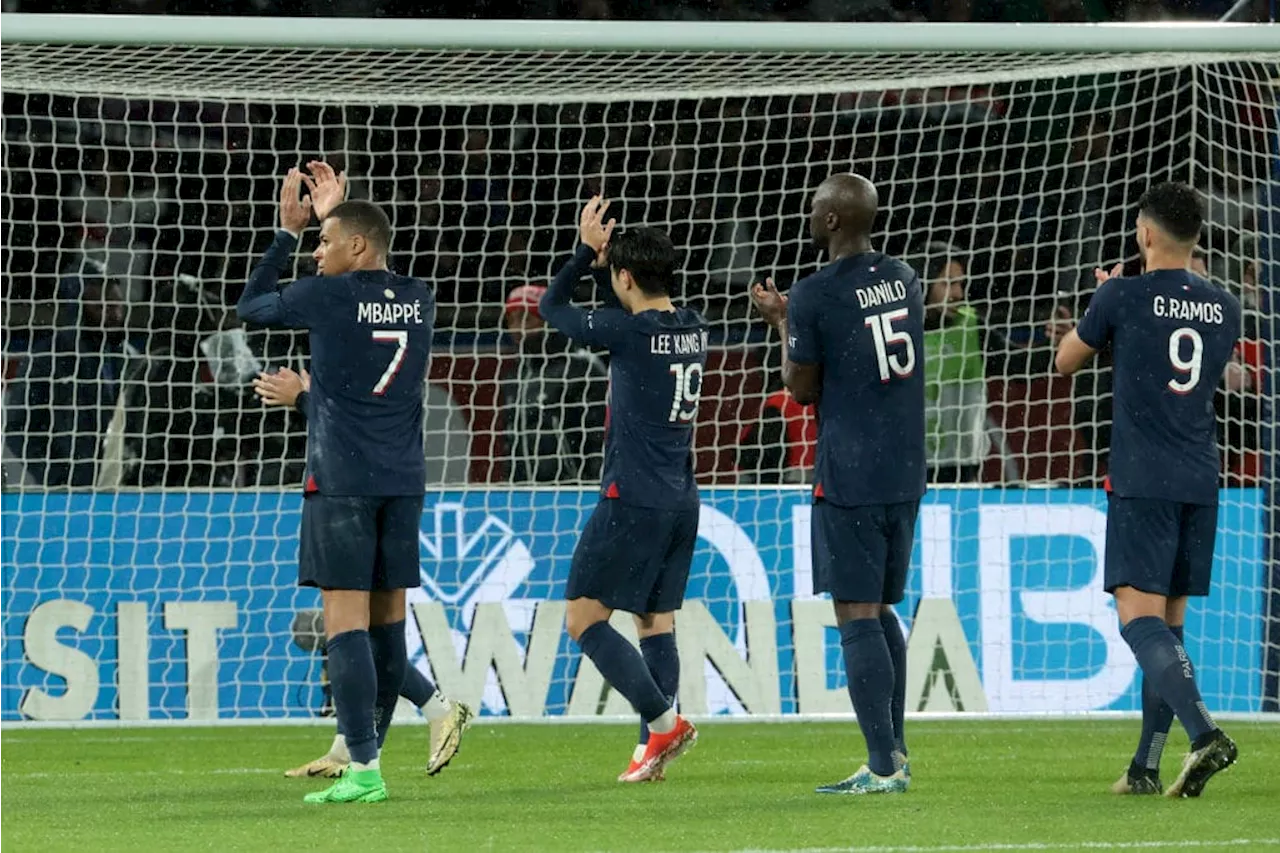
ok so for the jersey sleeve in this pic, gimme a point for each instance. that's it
(301, 305)
(803, 343)
(599, 327)
(1098, 323)
(304, 303)
(606, 328)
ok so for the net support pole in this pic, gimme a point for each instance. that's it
(1269, 275)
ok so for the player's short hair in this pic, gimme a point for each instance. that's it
(366, 219)
(649, 255)
(1177, 208)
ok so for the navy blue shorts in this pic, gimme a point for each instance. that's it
(862, 553)
(356, 542)
(1158, 546)
(634, 558)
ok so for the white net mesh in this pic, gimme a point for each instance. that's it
(470, 77)
(166, 591)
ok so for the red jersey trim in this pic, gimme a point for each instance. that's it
(817, 491)
(612, 491)
(311, 485)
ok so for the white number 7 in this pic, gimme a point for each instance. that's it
(401, 340)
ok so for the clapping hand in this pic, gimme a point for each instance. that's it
(1102, 277)
(295, 208)
(282, 387)
(771, 304)
(592, 229)
(328, 188)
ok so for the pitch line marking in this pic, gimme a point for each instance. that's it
(1036, 845)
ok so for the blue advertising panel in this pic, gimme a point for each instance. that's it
(183, 605)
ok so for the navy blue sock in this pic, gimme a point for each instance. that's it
(624, 669)
(1166, 665)
(390, 660)
(355, 689)
(660, 655)
(417, 688)
(898, 654)
(870, 670)
(1157, 718)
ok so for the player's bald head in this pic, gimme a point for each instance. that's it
(844, 206)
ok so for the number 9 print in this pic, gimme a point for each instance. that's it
(1189, 367)
(684, 401)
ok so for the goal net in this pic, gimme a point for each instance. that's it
(151, 504)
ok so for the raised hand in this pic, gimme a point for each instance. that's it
(295, 208)
(1102, 277)
(771, 304)
(282, 387)
(328, 188)
(592, 229)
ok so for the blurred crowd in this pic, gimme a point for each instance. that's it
(131, 226)
(685, 10)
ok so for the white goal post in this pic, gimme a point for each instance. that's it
(150, 504)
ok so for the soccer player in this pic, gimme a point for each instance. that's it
(1171, 334)
(448, 719)
(370, 333)
(852, 336)
(635, 551)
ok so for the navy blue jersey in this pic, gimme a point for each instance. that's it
(655, 381)
(370, 345)
(861, 319)
(1171, 334)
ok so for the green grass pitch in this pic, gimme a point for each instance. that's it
(978, 785)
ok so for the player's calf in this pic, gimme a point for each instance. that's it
(354, 682)
(625, 670)
(390, 662)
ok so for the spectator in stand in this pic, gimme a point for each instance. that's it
(511, 266)
(432, 251)
(115, 208)
(955, 373)
(1239, 272)
(782, 445)
(1238, 401)
(1091, 385)
(553, 399)
(65, 393)
(1067, 221)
